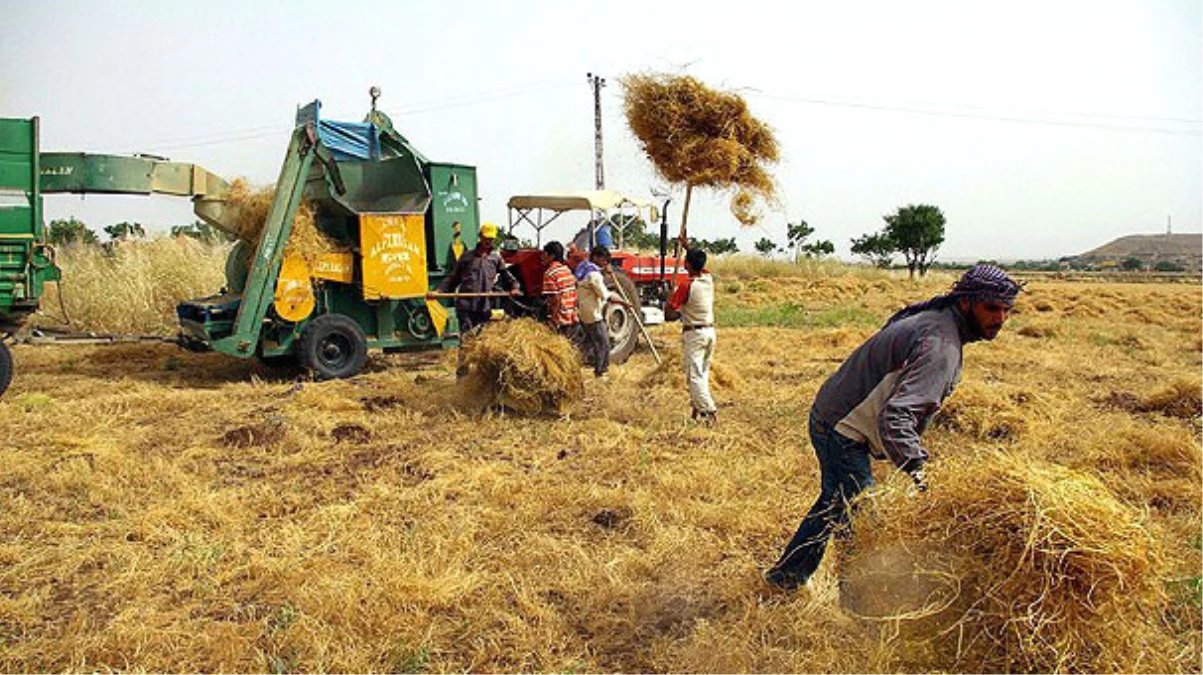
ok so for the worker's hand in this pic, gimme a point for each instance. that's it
(429, 295)
(919, 475)
(514, 292)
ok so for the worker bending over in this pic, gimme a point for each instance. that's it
(881, 400)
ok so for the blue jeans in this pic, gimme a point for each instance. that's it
(844, 466)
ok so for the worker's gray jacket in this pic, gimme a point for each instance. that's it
(888, 390)
(476, 273)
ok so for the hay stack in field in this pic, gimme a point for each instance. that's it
(1030, 567)
(702, 137)
(252, 206)
(524, 366)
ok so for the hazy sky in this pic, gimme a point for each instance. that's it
(1040, 128)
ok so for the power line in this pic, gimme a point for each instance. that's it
(416, 109)
(998, 117)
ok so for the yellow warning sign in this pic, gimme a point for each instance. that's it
(394, 256)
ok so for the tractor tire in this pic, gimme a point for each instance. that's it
(622, 322)
(6, 367)
(333, 347)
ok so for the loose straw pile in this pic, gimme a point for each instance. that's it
(1030, 566)
(524, 366)
(252, 206)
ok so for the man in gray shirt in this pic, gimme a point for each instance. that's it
(881, 400)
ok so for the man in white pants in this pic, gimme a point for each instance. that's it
(693, 303)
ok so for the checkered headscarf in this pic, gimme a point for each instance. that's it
(982, 283)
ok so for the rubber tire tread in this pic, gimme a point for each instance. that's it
(323, 326)
(6, 367)
(619, 353)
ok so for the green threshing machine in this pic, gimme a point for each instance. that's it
(389, 209)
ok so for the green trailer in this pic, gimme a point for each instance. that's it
(26, 261)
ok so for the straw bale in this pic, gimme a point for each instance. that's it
(524, 366)
(252, 206)
(1030, 566)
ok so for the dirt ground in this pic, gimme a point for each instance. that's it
(171, 511)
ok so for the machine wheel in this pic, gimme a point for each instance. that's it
(333, 347)
(622, 322)
(6, 367)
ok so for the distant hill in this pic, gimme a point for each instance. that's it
(1183, 249)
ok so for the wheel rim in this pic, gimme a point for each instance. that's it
(619, 324)
(335, 351)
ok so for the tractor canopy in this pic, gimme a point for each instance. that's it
(604, 206)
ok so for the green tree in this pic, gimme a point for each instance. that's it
(796, 234)
(766, 247)
(877, 248)
(917, 232)
(818, 249)
(1168, 266)
(70, 231)
(716, 247)
(1132, 264)
(125, 230)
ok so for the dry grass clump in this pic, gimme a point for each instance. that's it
(1034, 568)
(698, 136)
(1181, 399)
(985, 413)
(671, 373)
(524, 366)
(1039, 329)
(252, 207)
(132, 286)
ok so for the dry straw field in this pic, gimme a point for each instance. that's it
(170, 511)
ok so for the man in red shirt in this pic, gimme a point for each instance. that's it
(559, 287)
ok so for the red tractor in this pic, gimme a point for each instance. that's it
(644, 280)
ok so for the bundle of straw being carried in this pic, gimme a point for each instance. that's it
(1011, 564)
(524, 366)
(702, 137)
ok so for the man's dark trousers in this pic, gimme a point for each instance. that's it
(844, 465)
(597, 346)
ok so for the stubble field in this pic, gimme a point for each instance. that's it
(170, 511)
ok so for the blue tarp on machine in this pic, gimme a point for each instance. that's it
(345, 140)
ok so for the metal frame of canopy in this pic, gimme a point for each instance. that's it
(542, 210)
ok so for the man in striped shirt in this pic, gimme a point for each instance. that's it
(559, 287)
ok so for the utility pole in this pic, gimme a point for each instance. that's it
(597, 82)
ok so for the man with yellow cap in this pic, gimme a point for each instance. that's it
(477, 271)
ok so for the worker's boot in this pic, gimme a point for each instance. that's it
(783, 579)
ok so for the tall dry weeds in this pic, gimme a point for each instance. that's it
(132, 286)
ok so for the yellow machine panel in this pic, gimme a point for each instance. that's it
(394, 256)
(294, 298)
(335, 267)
